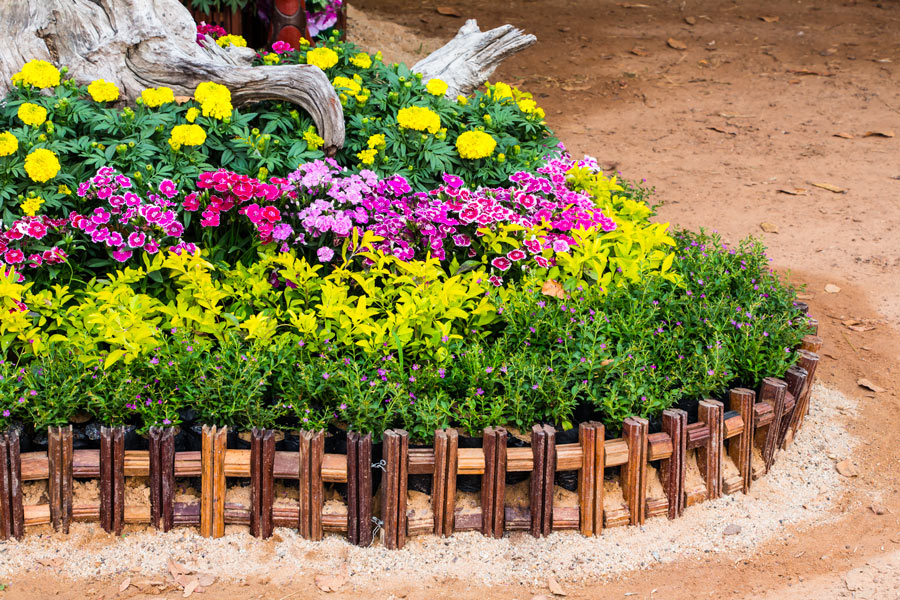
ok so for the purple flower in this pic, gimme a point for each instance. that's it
(325, 375)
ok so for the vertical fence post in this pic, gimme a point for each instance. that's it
(771, 392)
(709, 456)
(795, 377)
(635, 431)
(212, 491)
(740, 448)
(591, 437)
(673, 469)
(262, 482)
(12, 514)
(493, 483)
(443, 496)
(359, 488)
(162, 477)
(394, 487)
(543, 476)
(312, 491)
(809, 361)
(59, 455)
(112, 479)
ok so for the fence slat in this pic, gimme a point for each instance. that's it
(771, 392)
(312, 493)
(709, 457)
(587, 438)
(443, 495)
(634, 472)
(359, 464)
(212, 494)
(536, 491)
(5, 496)
(673, 470)
(59, 454)
(740, 448)
(493, 483)
(394, 487)
(809, 361)
(795, 377)
(262, 484)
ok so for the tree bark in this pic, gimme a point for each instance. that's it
(148, 43)
(466, 61)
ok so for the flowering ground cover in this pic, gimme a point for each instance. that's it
(181, 261)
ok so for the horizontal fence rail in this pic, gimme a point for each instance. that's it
(731, 445)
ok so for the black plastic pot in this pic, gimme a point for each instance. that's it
(290, 443)
(469, 483)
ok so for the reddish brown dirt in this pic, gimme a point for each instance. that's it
(750, 107)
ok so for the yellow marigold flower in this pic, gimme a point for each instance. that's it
(376, 141)
(232, 40)
(527, 105)
(436, 87)
(156, 97)
(473, 145)
(103, 91)
(367, 157)
(32, 114)
(501, 90)
(8, 143)
(361, 60)
(186, 135)
(271, 59)
(64, 190)
(313, 141)
(323, 57)
(31, 206)
(501, 157)
(41, 165)
(214, 99)
(347, 84)
(462, 100)
(192, 114)
(419, 118)
(37, 73)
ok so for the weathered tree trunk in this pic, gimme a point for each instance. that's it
(148, 43)
(467, 60)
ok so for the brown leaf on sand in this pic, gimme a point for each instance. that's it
(638, 51)
(190, 588)
(332, 583)
(633, 5)
(844, 135)
(768, 227)
(846, 468)
(792, 191)
(182, 99)
(830, 188)
(732, 529)
(886, 134)
(175, 569)
(863, 382)
(206, 580)
(831, 288)
(690, 20)
(676, 44)
(554, 587)
(552, 288)
(448, 11)
(769, 19)
(125, 584)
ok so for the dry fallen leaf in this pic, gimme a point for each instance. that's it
(720, 130)
(630, 5)
(332, 583)
(676, 44)
(637, 51)
(792, 191)
(552, 288)
(690, 20)
(877, 509)
(810, 72)
(554, 587)
(769, 19)
(887, 134)
(831, 288)
(182, 99)
(190, 588)
(806, 296)
(846, 468)
(863, 382)
(768, 227)
(125, 584)
(844, 135)
(829, 187)
(207, 579)
(732, 529)
(175, 569)
(860, 328)
(448, 11)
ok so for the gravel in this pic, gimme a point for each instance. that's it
(801, 489)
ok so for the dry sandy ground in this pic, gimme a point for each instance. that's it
(750, 107)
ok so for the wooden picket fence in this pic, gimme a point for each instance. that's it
(750, 429)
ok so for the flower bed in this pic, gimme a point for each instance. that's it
(181, 263)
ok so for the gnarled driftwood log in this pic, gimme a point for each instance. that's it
(148, 43)
(467, 60)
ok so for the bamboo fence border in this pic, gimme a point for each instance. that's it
(763, 421)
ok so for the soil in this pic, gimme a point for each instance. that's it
(750, 107)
